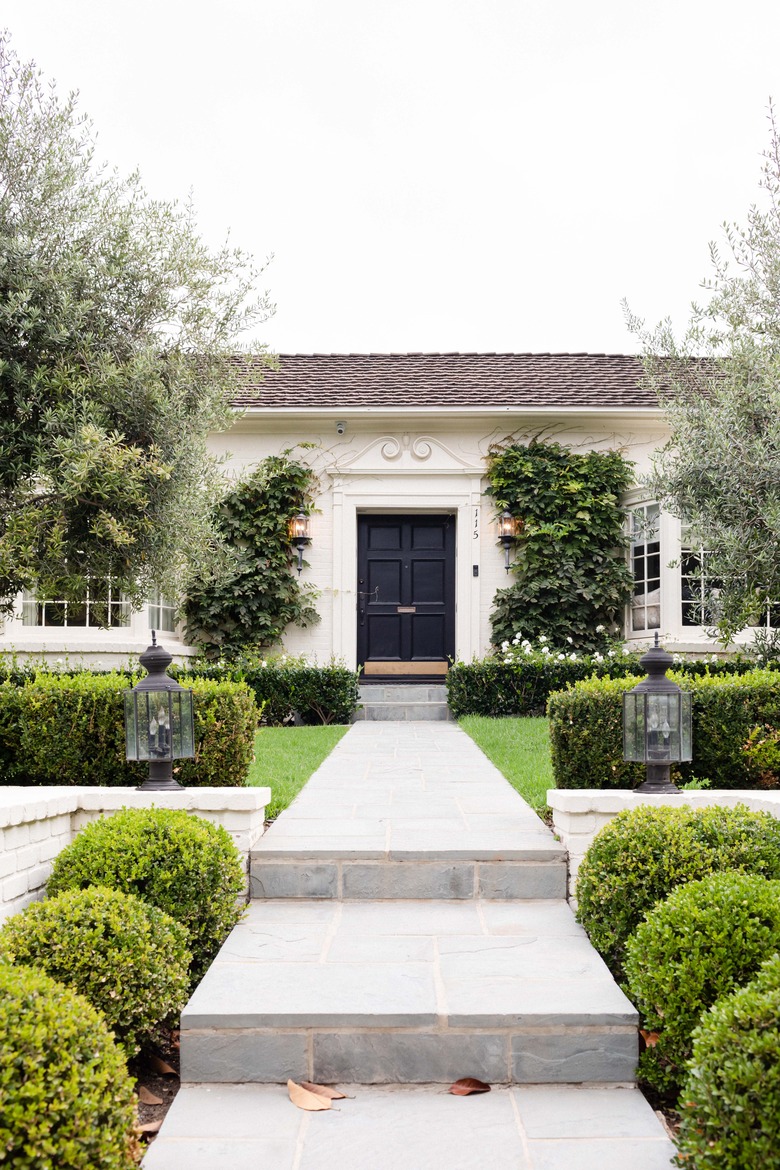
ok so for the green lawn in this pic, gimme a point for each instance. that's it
(285, 758)
(520, 748)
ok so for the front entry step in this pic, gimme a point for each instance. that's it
(408, 992)
(403, 701)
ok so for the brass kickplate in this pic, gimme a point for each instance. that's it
(396, 667)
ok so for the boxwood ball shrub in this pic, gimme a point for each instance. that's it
(66, 1099)
(644, 853)
(707, 939)
(180, 863)
(129, 959)
(730, 1106)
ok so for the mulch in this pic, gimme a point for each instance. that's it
(156, 1073)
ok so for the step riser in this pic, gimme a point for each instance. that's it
(404, 712)
(363, 880)
(376, 1057)
(403, 693)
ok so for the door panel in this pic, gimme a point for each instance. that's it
(406, 594)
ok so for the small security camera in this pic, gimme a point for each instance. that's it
(341, 428)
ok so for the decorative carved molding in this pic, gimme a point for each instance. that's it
(405, 452)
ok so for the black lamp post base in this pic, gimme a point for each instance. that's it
(160, 778)
(658, 782)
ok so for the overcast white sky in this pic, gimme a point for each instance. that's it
(435, 174)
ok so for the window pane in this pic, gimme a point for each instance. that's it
(646, 568)
(100, 607)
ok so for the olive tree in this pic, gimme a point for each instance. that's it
(720, 386)
(117, 328)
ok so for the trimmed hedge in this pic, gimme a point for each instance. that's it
(636, 861)
(66, 1099)
(289, 688)
(69, 729)
(496, 688)
(180, 863)
(586, 730)
(129, 959)
(730, 1106)
(707, 939)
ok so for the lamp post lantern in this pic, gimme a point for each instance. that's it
(300, 535)
(657, 722)
(159, 722)
(509, 527)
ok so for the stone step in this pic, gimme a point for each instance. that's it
(531, 1127)
(405, 702)
(380, 819)
(408, 992)
(360, 878)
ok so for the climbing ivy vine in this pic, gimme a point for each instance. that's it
(570, 569)
(249, 608)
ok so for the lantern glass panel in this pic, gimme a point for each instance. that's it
(633, 727)
(663, 728)
(183, 726)
(686, 731)
(131, 727)
(506, 526)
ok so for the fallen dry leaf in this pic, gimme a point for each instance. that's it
(305, 1099)
(324, 1091)
(650, 1038)
(468, 1085)
(146, 1097)
(161, 1066)
(150, 1126)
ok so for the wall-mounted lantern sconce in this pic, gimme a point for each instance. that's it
(509, 528)
(159, 722)
(657, 722)
(300, 536)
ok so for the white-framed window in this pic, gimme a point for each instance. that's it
(162, 614)
(698, 588)
(100, 606)
(645, 553)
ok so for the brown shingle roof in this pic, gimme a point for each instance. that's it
(448, 380)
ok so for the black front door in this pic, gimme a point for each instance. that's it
(406, 595)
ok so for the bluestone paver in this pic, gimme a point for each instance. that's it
(421, 1128)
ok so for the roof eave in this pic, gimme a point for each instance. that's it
(441, 411)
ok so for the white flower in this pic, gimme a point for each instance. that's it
(570, 641)
(542, 637)
(573, 657)
(527, 649)
(508, 662)
(598, 657)
(264, 663)
(545, 650)
(610, 653)
(504, 645)
(561, 657)
(600, 629)
(626, 650)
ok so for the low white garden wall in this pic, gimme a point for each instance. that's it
(579, 813)
(36, 823)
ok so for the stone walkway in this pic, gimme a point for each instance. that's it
(409, 927)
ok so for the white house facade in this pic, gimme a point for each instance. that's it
(404, 551)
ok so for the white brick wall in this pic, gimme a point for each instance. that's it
(579, 813)
(36, 823)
